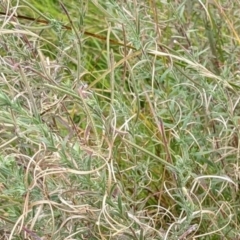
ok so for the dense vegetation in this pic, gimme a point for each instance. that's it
(119, 119)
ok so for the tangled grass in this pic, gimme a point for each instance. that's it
(119, 120)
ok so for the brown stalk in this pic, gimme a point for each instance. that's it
(102, 38)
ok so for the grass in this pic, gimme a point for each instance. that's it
(119, 120)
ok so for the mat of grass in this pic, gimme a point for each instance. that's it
(119, 120)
